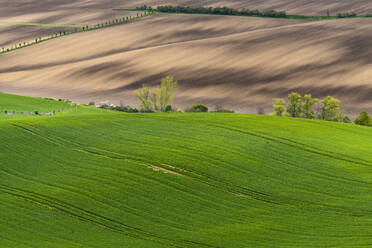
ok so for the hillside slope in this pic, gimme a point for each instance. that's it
(237, 62)
(69, 7)
(94, 178)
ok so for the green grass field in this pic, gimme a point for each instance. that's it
(94, 178)
(14, 103)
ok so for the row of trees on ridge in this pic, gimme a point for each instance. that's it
(74, 30)
(304, 107)
(327, 109)
(161, 98)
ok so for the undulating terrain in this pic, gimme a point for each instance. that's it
(88, 177)
(308, 7)
(73, 175)
(238, 62)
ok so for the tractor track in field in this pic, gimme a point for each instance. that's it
(292, 143)
(300, 146)
(217, 183)
(96, 219)
(203, 178)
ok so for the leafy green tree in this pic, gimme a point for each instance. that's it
(143, 95)
(307, 106)
(363, 119)
(279, 106)
(160, 98)
(163, 94)
(330, 109)
(294, 105)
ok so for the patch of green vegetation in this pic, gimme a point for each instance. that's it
(98, 178)
(42, 24)
(14, 103)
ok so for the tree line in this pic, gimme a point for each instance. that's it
(161, 98)
(327, 109)
(76, 30)
(219, 11)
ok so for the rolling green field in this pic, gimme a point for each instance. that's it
(94, 178)
(29, 104)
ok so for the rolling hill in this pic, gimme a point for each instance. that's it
(94, 178)
(238, 62)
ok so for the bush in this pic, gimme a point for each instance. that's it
(220, 109)
(363, 119)
(127, 109)
(346, 15)
(168, 108)
(91, 103)
(347, 119)
(197, 108)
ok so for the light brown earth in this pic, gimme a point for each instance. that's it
(237, 62)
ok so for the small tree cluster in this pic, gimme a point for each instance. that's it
(303, 107)
(161, 99)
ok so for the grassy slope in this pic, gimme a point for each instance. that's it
(29, 104)
(82, 179)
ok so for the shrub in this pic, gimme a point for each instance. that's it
(168, 108)
(220, 109)
(363, 119)
(91, 103)
(197, 108)
(346, 15)
(347, 119)
(127, 109)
